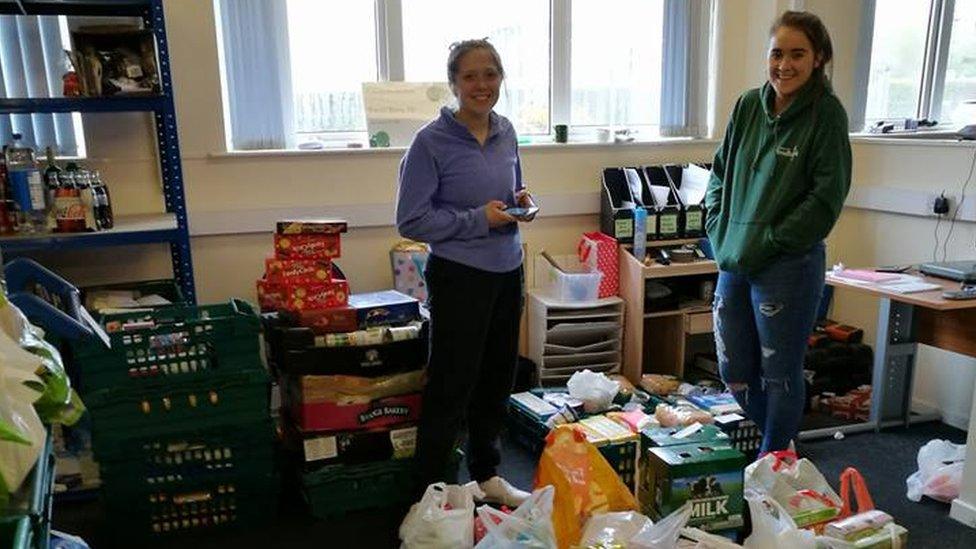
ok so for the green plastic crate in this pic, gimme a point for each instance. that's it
(335, 490)
(16, 532)
(338, 489)
(197, 507)
(124, 414)
(183, 343)
(240, 448)
(32, 504)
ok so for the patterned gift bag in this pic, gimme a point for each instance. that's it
(408, 259)
(599, 252)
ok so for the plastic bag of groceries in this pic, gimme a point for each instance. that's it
(596, 390)
(442, 518)
(939, 474)
(585, 483)
(528, 527)
(633, 530)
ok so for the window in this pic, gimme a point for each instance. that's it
(616, 81)
(920, 70)
(327, 88)
(563, 63)
(897, 59)
(960, 77)
(518, 29)
(31, 65)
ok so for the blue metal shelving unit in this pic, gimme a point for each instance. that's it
(172, 228)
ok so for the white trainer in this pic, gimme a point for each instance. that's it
(498, 490)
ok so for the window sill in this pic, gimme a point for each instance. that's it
(542, 146)
(940, 139)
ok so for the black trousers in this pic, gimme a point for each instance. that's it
(473, 353)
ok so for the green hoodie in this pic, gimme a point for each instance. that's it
(778, 182)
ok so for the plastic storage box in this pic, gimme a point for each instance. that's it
(570, 282)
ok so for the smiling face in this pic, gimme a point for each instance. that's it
(791, 61)
(477, 82)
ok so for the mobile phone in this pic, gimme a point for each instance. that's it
(968, 292)
(893, 269)
(520, 212)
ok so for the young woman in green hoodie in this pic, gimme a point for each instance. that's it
(778, 183)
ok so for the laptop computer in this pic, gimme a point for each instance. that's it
(963, 271)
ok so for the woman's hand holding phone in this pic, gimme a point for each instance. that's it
(496, 214)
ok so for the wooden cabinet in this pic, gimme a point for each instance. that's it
(654, 341)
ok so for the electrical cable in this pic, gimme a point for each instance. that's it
(962, 200)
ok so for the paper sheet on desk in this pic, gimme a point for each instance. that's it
(908, 284)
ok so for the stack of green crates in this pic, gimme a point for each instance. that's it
(180, 421)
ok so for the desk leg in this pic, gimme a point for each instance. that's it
(894, 363)
(964, 507)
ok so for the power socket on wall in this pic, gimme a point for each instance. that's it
(938, 204)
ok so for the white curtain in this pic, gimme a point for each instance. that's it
(684, 78)
(32, 62)
(257, 73)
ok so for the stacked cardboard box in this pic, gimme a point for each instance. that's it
(351, 374)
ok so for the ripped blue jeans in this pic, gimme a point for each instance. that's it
(762, 322)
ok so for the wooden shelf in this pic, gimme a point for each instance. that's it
(656, 270)
(697, 309)
(663, 243)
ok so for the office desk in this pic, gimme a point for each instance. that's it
(904, 321)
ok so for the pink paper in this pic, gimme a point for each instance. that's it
(867, 276)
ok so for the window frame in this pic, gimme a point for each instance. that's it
(928, 104)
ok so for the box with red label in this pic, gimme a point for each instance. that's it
(300, 297)
(311, 226)
(271, 296)
(854, 405)
(297, 271)
(316, 450)
(336, 320)
(307, 246)
(332, 416)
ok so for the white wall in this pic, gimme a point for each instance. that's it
(227, 265)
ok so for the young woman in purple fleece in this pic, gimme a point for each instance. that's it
(460, 174)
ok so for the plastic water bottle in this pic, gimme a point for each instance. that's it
(26, 185)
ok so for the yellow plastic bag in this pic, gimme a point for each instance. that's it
(585, 483)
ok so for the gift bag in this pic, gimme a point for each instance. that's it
(408, 259)
(599, 252)
(585, 483)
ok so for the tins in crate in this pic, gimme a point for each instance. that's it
(208, 401)
(307, 246)
(311, 226)
(190, 454)
(195, 508)
(296, 351)
(316, 450)
(707, 474)
(170, 344)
